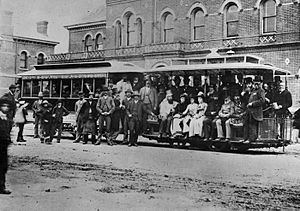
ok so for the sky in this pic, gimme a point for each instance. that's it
(57, 12)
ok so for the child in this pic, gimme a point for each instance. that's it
(20, 119)
(5, 106)
(46, 117)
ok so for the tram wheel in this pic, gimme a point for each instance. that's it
(218, 146)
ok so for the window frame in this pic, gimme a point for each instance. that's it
(39, 59)
(194, 27)
(139, 24)
(228, 22)
(118, 34)
(168, 30)
(88, 47)
(24, 60)
(130, 30)
(97, 44)
(264, 17)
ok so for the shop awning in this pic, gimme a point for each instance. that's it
(80, 70)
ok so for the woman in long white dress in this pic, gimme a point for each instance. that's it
(196, 126)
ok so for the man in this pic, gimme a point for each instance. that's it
(78, 116)
(11, 97)
(213, 106)
(105, 107)
(283, 100)
(136, 86)
(123, 85)
(254, 113)
(5, 106)
(89, 115)
(134, 112)
(176, 89)
(224, 114)
(58, 112)
(124, 106)
(167, 108)
(116, 118)
(36, 107)
(149, 99)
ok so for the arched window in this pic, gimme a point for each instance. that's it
(118, 34)
(198, 24)
(99, 42)
(130, 30)
(40, 58)
(24, 60)
(139, 31)
(168, 27)
(268, 16)
(231, 20)
(88, 43)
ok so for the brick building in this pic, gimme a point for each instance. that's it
(152, 33)
(21, 51)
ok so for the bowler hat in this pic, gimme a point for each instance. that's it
(40, 94)
(128, 91)
(5, 100)
(45, 102)
(200, 94)
(12, 86)
(169, 93)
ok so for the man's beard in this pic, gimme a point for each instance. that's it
(170, 101)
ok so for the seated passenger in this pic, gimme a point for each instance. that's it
(196, 124)
(225, 112)
(236, 118)
(177, 126)
(166, 111)
(209, 123)
(190, 114)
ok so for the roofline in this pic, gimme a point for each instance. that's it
(35, 40)
(78, 25)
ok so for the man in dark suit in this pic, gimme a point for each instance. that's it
(10, 95)
(135, 115)
(89, 115)
(125, 103)
(283, 99)
(254, 113)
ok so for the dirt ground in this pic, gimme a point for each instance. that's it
(69, 176)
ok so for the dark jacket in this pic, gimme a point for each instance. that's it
(116, 116)
(285, 100)
(109, 103)
(4, 133)
(59, 113)
(257, 99)
(85, 111)
(13, 104)
(180, 108)
(36, 107)
(132, 106)
(296, 118)
(213, 106)
(46, 115)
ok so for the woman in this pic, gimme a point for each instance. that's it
(190, 115)
(196, 127)
(176, 127)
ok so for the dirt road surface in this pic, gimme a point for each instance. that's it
(69, 176)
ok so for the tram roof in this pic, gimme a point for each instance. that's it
(79, 70)
(244, 68)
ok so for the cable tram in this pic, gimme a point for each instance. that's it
(215, 68)
(65, 81)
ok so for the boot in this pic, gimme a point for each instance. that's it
(110, 142)
(85, 139)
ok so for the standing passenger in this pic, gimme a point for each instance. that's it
(36, 107)
(148, 96)
(134, 112)
(20, 119)
(254, 113)
(123, 85)
(78, 116)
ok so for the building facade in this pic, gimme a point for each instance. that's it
(152, 33)
(21, 52)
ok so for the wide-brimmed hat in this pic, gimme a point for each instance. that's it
(257, 78)
(40, 94)
(200, 94)
(45, 102)
(12, 86)
(21, 102)
(5, 101)
(136, 93)
(184, 95)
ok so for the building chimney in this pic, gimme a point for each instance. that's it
(42, 27)
(6, 27)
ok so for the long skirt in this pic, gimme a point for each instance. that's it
(89, 127)
(176, 126)
(196, 126)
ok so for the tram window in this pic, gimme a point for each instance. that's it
(76, 87)
(36, 88)
(66, 88)
(55, 88)
(87, 86)
(99, 83)
(46, 88)
(26, 88)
